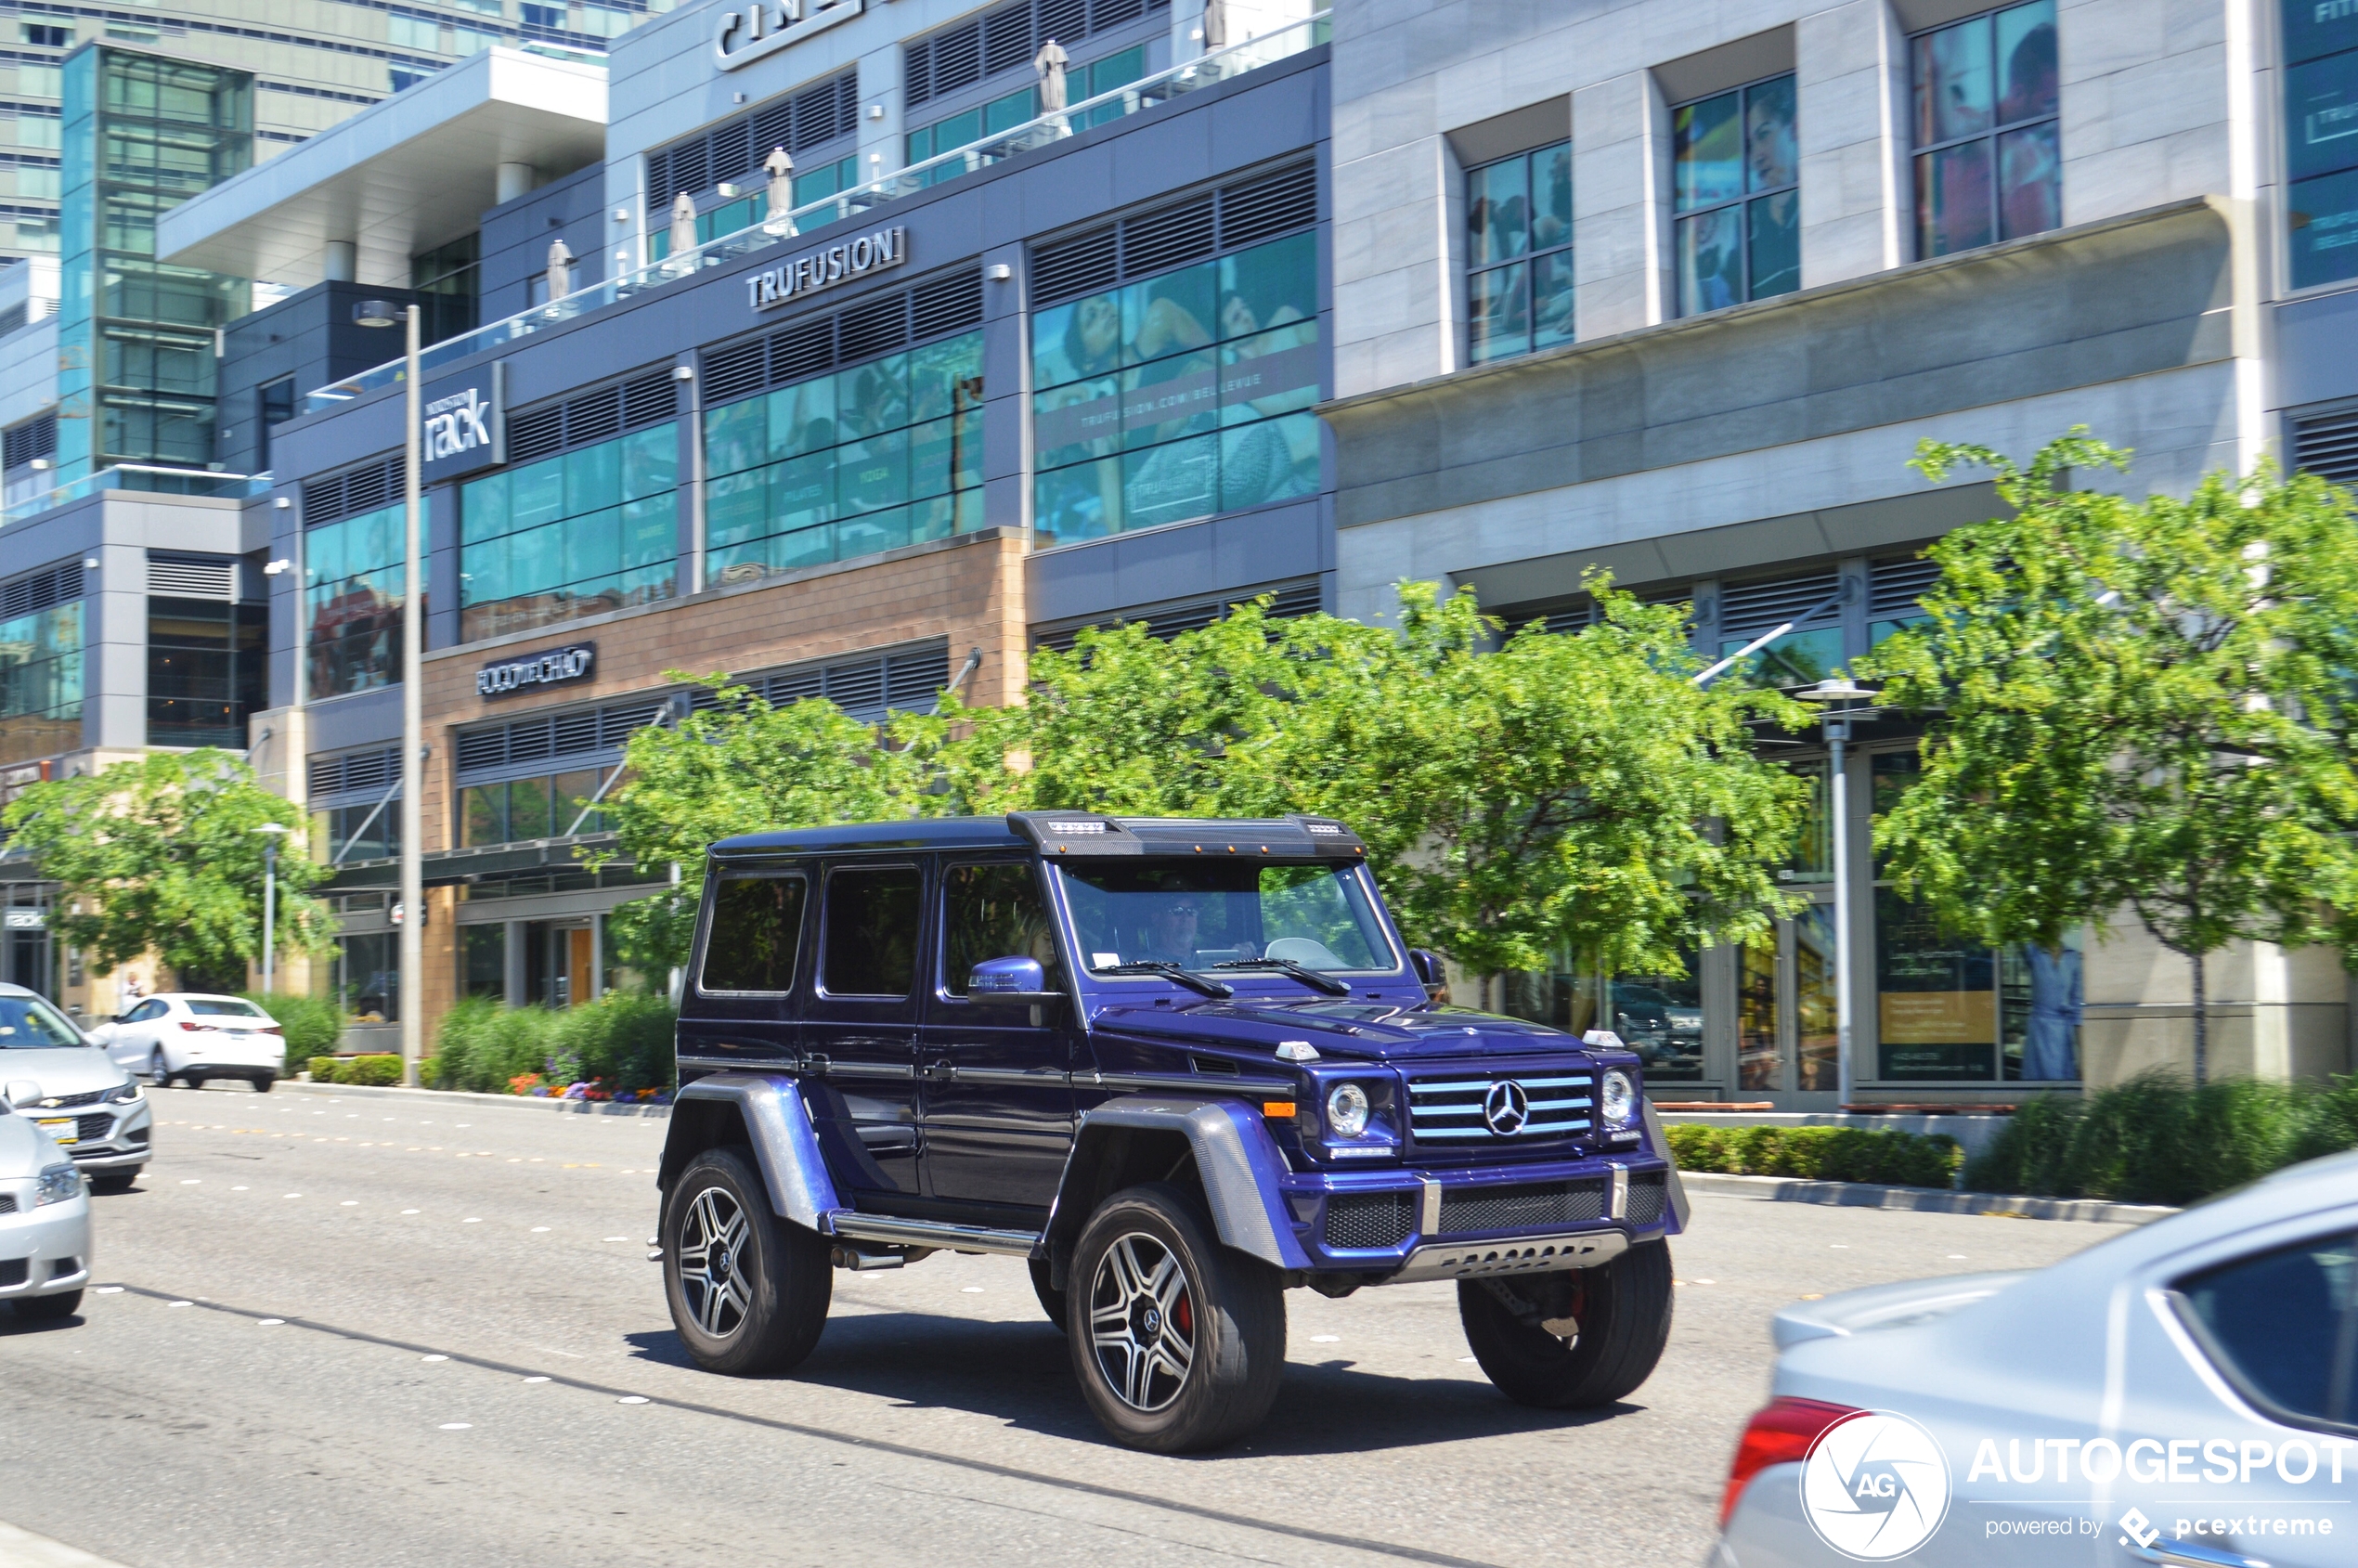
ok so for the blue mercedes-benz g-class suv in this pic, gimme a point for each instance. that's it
(1179, 1067)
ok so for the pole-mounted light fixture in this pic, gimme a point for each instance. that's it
(374, 313)
(1838, 693)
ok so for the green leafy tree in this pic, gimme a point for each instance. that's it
(2133, 705)
(741, 766)
(160, 855)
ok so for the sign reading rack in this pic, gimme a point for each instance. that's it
(555, 668)
(766, 26)
(826, 266)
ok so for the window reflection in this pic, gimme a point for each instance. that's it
(1735, 186)
(594, 530)
(1984, 93)
(353, 597)
(41, 662)
(1519, 208)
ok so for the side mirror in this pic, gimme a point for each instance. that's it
(24, 1091)
(1428, 967)
(1009, 979)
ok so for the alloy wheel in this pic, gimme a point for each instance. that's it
(158, 1073)
(713, 1278)
(1142, 1322)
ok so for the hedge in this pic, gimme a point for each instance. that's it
(2158, 1139)
(313, 1024)
(622, 1042)
(1823, 1154)
(376, 1072)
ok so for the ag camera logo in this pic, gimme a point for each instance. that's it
(1874, 1487)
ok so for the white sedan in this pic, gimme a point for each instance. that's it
(2184, 1393)
(193, 1038)
(45, 1223)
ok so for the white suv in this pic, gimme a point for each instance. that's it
(193, 1037)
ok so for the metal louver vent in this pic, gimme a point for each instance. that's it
(873, 326)
(816, 115)
(355, 773)
(1079, 266)
(804, 349)
(1240, 215)
(731, 372)
(594, 416)
(1259, 209)
(1173, 236)
(599, 414)
(45, 589)
(1748, 609)
(358, 489)
(1289, 600)
(2328, 445)
(587, 732)
(946, 304)
(1894, 587)
(881, 324)
(35, 438)
(1004, 38)
(536, 434)
(193, 577)
(650, 398)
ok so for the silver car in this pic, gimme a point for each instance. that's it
(2183, 1394)
(45, 1223)
(58, 1078)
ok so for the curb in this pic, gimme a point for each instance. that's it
(1927, 1201)
(462, 1096)
(22, 1548)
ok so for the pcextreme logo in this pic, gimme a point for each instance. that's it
(1874, 1487)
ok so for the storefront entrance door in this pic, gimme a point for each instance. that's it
(1786, 1033)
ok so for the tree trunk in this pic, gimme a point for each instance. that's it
(2202, 1024)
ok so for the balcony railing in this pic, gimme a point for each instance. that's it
(136, 476)
(1044, 130)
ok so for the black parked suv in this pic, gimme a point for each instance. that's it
(1179, 1067)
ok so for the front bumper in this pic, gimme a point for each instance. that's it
(1400, 1226)
(107, 1137)
(46, 1249)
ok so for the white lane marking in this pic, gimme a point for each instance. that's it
(1956, 1257)
(191, 1181)
(457, 1426)
(617, 1238)
(269, 1322)
(408, 1211)
(179, 1304)
(294, 1194)
(633, 1399)
(537, 1229)
(470, 1222)
(970, 1289)
(433, 1358)
(1326, 1339)
(111, 1290)
(1466, 1361)
(351, 1203)
(241, 1189)
(535, 1380)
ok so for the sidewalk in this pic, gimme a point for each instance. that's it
(22, 1548)
(1924, 1200)
(461, 1096)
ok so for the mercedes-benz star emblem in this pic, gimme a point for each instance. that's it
(1506, 1108)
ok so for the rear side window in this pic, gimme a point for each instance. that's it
(994, 912)
(222, 1007)
(872, 931)
(757, 923)
(2284, 1326)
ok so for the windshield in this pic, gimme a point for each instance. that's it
(1198, 913)
(27, 1023)
(224, 1006)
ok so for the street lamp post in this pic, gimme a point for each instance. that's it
(275, 831)
(1840, 694)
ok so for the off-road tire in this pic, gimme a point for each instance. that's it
(1052, 1301)
(112, 1184)
(775, 1277)
(1624, 1322)
(1232, 1320)
(49, 1309)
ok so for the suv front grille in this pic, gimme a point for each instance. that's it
(65, 1102)
(7, 1202)
(1483, 1209)
(1454, 1108)
(1649, 1196)
(1370, 1219)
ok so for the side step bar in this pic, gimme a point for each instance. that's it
(930, 1233)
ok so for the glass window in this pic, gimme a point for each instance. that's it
(28, 1023)
(41, 663)
(353, 599)
(594, 530)
(1198, 913)
(368, 977)
(824, 470)
(1758, 992)
(1137, 386)
(1984, 93)
(1798, 658)
(756, 925)
(1659, 1016)
(994, 912)
(2321, 140)
(1735, 163)
(871, 931)
(483, 961)
(2284, 1326)
(1519, 253)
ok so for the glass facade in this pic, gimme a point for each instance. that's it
(1005, 113)
(366, 977)
(2321, 140)
(353, 594)
(1983, 98)
(869, 459)
(1519, 253)
(1179, 396)
(593, 530)
(1735, 163)
(745, 211)
(359, 832)
(536, 808)
(447, 280)
(142, 134)
(41, 682)
(206, 670)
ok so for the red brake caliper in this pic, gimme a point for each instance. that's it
(1184, 1312)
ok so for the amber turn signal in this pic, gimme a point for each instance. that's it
(1278, 1108)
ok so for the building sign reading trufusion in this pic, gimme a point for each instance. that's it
(766, 26)
(826, 266)
(460, 428)
(553, 668)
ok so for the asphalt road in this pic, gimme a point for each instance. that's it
(391, 1331)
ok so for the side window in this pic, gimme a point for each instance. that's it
(147, 1012)
(994, 912)
(757, 923)
(2285, 1325)
(872, 931)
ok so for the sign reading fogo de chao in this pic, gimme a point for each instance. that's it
(553, 668)
(826, 266)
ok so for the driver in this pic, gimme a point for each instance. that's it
(1171, 935)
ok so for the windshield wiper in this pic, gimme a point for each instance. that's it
(1187, 977)
(1314, 979)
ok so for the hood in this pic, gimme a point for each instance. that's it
(68, 1070)
(25, 1151)
(1902, 1305)
(1375, 1031)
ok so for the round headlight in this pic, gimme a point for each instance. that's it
(1347, 1110)
(1620, 1095)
